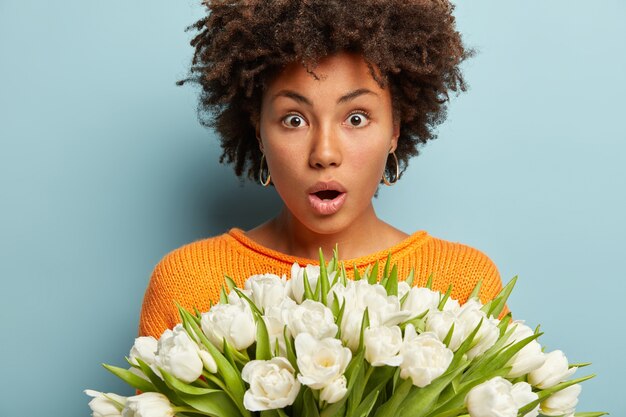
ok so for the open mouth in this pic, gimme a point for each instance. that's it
(327, 194)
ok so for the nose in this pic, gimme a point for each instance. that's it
(325, 149)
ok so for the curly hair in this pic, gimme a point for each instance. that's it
(242, 44)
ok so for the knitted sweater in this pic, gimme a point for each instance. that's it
(193, 274)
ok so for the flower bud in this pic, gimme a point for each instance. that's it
(554, 371)
(101, 406)
(491, 399)
(272, 384)
(562, 402)
(148, 404)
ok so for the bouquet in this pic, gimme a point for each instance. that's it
(322, 345)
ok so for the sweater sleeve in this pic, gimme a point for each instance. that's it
(491, 281)
(158, 311)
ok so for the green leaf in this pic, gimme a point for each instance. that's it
(357, 275)
(253, 306)
(543, 394)
(308, 292)
(591, 414)
(448, 338)
(310, 405)
(422, 400)
(500, 360)
(387, 266)
(157, 382)
(579, 365)
(453, 412)
(392, 283)
(379, 377)
(230, 283)
(334, 410)
(231, 376)
(497, 304)
(217, 404)
(390, 408)
(182, 387)
(344, 275)
(291, 350)
(223, 296)
(365, 407)
(429, 282)
(476, 291)
(372, 278)
(340, 319)
(263, 349)
(130, 378)
(357, 388)
(410, 278)
(365, 323)
(325, 284)
(444, 300)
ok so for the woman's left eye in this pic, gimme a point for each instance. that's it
(358, 119)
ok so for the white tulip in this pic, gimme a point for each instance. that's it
(424, 357)
(440, 322)
(562, 402)
(179, 355)
(554, 371)
(296, 283)
(272, 384)
(382, 345)
(403, 289)
(335, 391)
(310, 317)
(101, 406)
(383, 310)
(530, 357)
(233, 322)
(148, 404)
(465, 320)
(471, 315)
(234, 297)
(275, 323)
(320, 361)
(351, 327)
(523, 394)
(144, 348)
(492, 398)
(421, 299)
(267, 290)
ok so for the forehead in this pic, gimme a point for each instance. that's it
(335, 73)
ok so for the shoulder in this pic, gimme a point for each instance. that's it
(462, 266)
(190, 276)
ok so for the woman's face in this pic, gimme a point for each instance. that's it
(326, 141)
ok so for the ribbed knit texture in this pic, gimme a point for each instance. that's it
(193, 274)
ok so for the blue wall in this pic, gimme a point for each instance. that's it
(104, 169)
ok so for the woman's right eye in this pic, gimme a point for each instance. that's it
(293, 121)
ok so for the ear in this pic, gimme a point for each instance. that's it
(257, 131)
(394, 137)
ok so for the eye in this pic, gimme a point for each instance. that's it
(358, 118)
(293, 121)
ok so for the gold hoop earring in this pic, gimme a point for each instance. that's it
(395, 178)
(265, 182)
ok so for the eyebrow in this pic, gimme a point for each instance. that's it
(343, 99)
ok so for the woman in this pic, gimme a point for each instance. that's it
(325, 101)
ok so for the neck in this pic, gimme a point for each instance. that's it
(355, 240)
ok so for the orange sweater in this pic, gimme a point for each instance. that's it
(193, 274)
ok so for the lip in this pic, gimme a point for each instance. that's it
(328, 185)
(326, 207)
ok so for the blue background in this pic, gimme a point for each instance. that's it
(104, 169)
